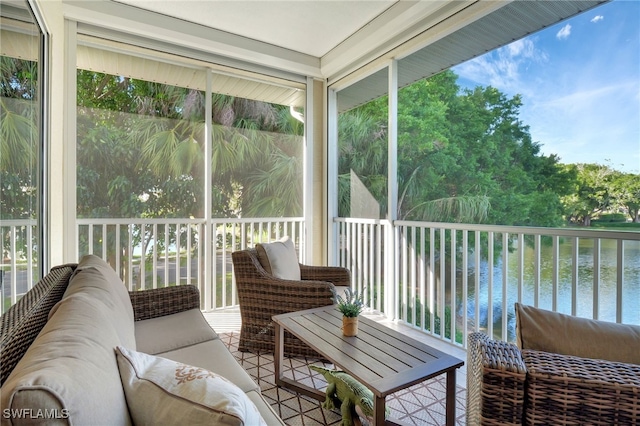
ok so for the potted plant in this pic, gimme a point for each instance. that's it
(351, 305)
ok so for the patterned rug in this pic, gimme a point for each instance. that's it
(422, 404)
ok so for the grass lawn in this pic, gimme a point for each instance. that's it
(626, 226)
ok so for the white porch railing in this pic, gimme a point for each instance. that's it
(407, 269)
(18, 260)
(176, 252)
(451, 279)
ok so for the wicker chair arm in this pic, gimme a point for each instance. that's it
(580, 390)
(287, 295)
(340, 277)
(313, 290)
(164, 301)
(496, 377)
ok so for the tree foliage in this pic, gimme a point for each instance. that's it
(463, 156)
(626, 191)
(599, 189)
(18, 138)
(141, 152)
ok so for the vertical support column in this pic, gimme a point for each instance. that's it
(59, 126)
(308, 237)
(69, 89)
(332, 176)
(208, 280)
(43, 152)
(391, 281)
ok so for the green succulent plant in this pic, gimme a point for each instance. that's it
(352, 304)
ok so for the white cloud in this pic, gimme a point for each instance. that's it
(503, 67)
(564, 32)
(597, 19)
(523, 47)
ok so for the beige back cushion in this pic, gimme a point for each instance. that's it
(554, 332)
(71, 365)
(280, 259)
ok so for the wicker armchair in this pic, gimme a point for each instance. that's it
(262, 296)
(507, 386)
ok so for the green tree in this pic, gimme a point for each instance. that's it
(141, 152)
(363, 151)
(463, 156)
(18, 137)
(425, 153)
(494, 155)
(626, 192)
(591, 194)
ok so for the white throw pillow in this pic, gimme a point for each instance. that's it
(280, 259)
(162, 391)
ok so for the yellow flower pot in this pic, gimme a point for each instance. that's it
(349, 326)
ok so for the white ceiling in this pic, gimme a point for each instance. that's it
(326, 39)
(320, 35)
(308, 26)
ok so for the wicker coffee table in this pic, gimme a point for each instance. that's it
(382, 359)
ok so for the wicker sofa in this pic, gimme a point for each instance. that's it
(563, 371)
(78, 348)
(261, 295)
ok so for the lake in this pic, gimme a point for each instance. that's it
(585, 291)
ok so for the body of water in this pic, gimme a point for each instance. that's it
(607, 287)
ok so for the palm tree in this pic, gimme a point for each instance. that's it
(363, 150)
(18, 125)
(253, 157)
(19, 138)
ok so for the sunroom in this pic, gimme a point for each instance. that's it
(163, 136)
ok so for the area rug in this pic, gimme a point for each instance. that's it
(422, 404)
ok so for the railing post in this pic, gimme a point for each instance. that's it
(392, 258)
(619, 279)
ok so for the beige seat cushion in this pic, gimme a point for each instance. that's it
(71, 366)
(280, 259)
(171, 332)
(186, 337)
(266, 411)
(160, 391)
(554, 332)
(214, 356)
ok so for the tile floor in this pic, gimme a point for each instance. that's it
(422, 404)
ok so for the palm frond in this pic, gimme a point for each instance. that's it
(461, 209)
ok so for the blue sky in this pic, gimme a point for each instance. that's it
(580, 83)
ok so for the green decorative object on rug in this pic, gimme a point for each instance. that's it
(346, 392)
